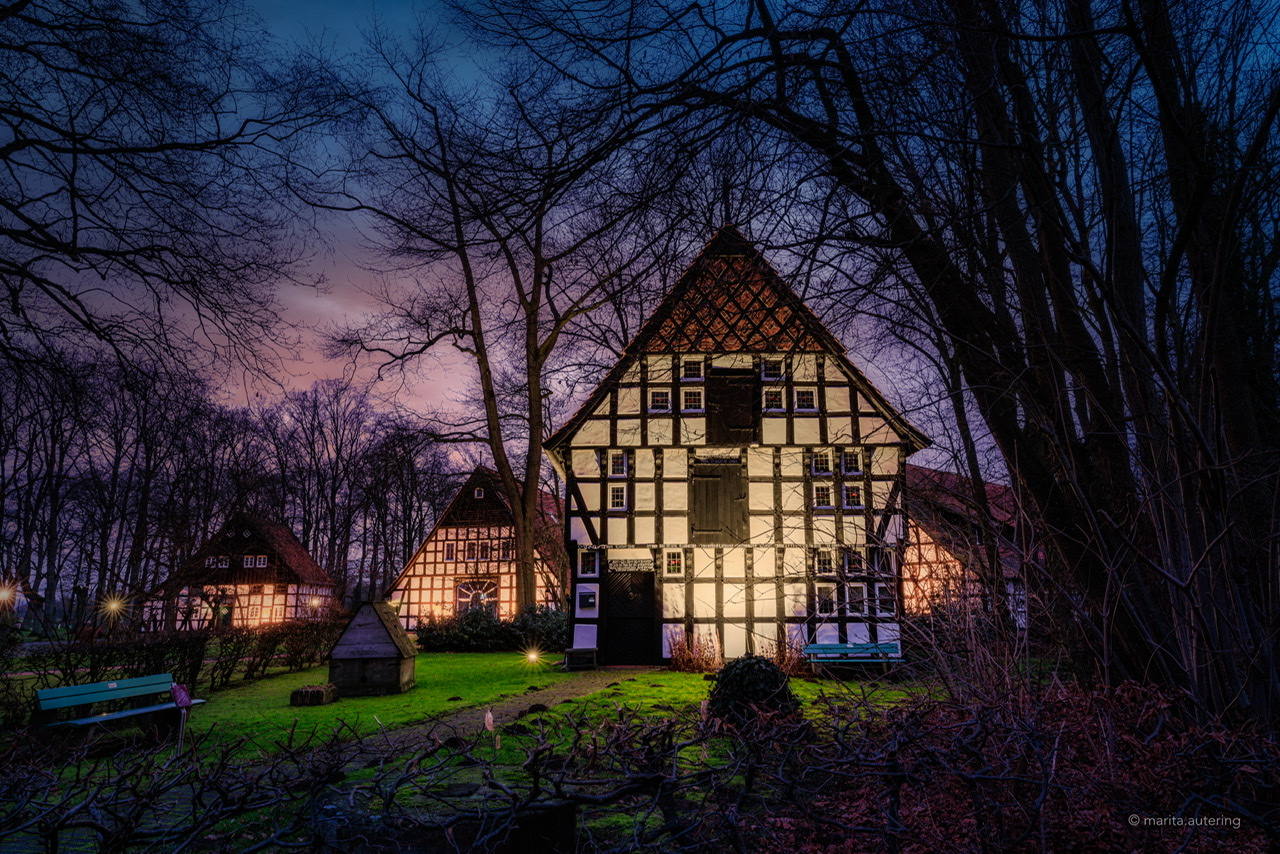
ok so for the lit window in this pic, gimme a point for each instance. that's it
(692, 400)
(885, 600)
(506, 550)
(471, 551)
(255, 589)
(691, 369)
(824, 596)
(267, 589)
(617, 498)
(479, 493)
(773, 399)
(822, 495)
(589, 563)
(617, 464)
(821, 462)
(852, 496)
(660, 401)
(254, 561)
(480, 594)
(674, 563)
(771, 369)
(857, 598)
(823, 562)
(255, 612)
(851, 461)
(806, 398)
(450, 551)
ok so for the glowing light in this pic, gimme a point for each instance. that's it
(113, 606)
(532, 655)
(6, 595)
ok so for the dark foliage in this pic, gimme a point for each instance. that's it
(542, 628)
(749, 686)
(479, 630)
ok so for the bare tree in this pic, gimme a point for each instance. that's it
(1084, 199)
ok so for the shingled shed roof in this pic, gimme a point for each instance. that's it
(246, 534)
(374, 630)
(731, 300)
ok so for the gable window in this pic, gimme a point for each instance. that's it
(472, 551)
(857, 598)
(450, 551)
(660, 401)
(853, 564)
(674, 564)
(823, 562)
(589, 563)
(617, 464)
(851, 461)
(479, 594)
(255, 589)
(806, 399)
(479, 493)
(691, 400)
(223, 561)
(506, 549)
(773, 400)
(268, 590)
(771, 369)
(486, 551)
(822, 495)
(821, 462)
(691, 370)
(852, 496)
(617, 498)
(255, 561)
(824, 599)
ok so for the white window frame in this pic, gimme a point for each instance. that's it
(824, 562)
(471, 551)
(844, 496)
(684, 400)
(672, 558)
(764, 369)
(818, 599)
(818, 504)
(588, 563)
(620, 457)
(685, 364)
(810, 391)
(782, 400)
(860, 599)
(891, 598)
(616, 503)
(479, 492)
(450, 551)
(654, 406)
(224, 561)
(820, 463)
(856, 455)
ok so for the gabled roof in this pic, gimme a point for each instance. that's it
(945, 506)
(731, 300)
(244, 534)
(383, 614)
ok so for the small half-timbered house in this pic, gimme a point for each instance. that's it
(252, 572)
(733, 475)
(468, 560)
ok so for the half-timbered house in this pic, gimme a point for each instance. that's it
(252, 572)
(735, 475)
(468, 560)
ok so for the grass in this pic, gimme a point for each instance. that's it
(261, 708)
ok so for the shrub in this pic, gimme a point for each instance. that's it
(542, 628)
(748, 686)
(697, 653)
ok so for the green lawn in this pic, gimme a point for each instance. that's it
(261, 709)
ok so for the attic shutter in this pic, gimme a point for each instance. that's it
(733, 407)
(718, 504)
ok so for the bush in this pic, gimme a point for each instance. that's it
(542, 628)
(749, 686)
(697, 653)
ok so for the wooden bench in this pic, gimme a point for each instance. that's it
(838, 653)
(580, 658)
(76, 696)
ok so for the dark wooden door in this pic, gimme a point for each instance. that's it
(733, 407)
(630, 628)
(717, 504)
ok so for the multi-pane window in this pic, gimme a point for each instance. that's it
(824, 596)
(506, 549)
(255, 561)
(691, 369)
(822, 495)
(885, 600)
(857, 598)
(482, 594)
(773, 399)
(450, 551)
(771, 369)
(589, 563)
(224, 561)
(824, 562)
(660, 401)
(821, 462)
(617, 464)
(472, 551)
(852, 496)
(479, 493)
(486, 551)
(268, 589)
(851, 461)
(617, 498)
(255, 589)
(806, 399)
(691, 399)
(853, 563)
(674, 564)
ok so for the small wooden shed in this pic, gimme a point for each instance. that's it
(374, 655)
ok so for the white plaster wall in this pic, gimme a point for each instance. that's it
(796, 603)
(628, 432)
(760, 496)
(693, 430)
(704, 563)
(628, 400)
(578, 530)
(827, 633)
(774, 431)
(735, 561)
(644, 463)
(824, 529)
(764, 563)
(585, 462)
(735, 640)
(644, 497)
(840, 430)
(837, 398)
(888, 632)
(584, 636)
(808, 430)
(675, 465)
(673, 601)
(704, 599)
(792, 460)
(760, 462)
(594, 431)
(761, 529)
(766, 601)
(804, 367)
(859, 633)
(735, 601)
(659, 369)
(617, 530)
(672, 635)
(660, 431)
(876, 430)
(675, 495)
(645, 529)
(675, 530)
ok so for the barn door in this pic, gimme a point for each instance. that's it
(733, 407)
(717, 504)
(630, 635)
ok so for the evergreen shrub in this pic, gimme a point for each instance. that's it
(748, 687)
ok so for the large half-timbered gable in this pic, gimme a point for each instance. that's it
(252, 572)
(733, 474)
(469, 558)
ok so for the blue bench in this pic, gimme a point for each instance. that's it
(837, 653)
(75, 696)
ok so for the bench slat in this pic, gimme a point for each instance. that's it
(114, 716)
(117, 689)
(865, 650)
